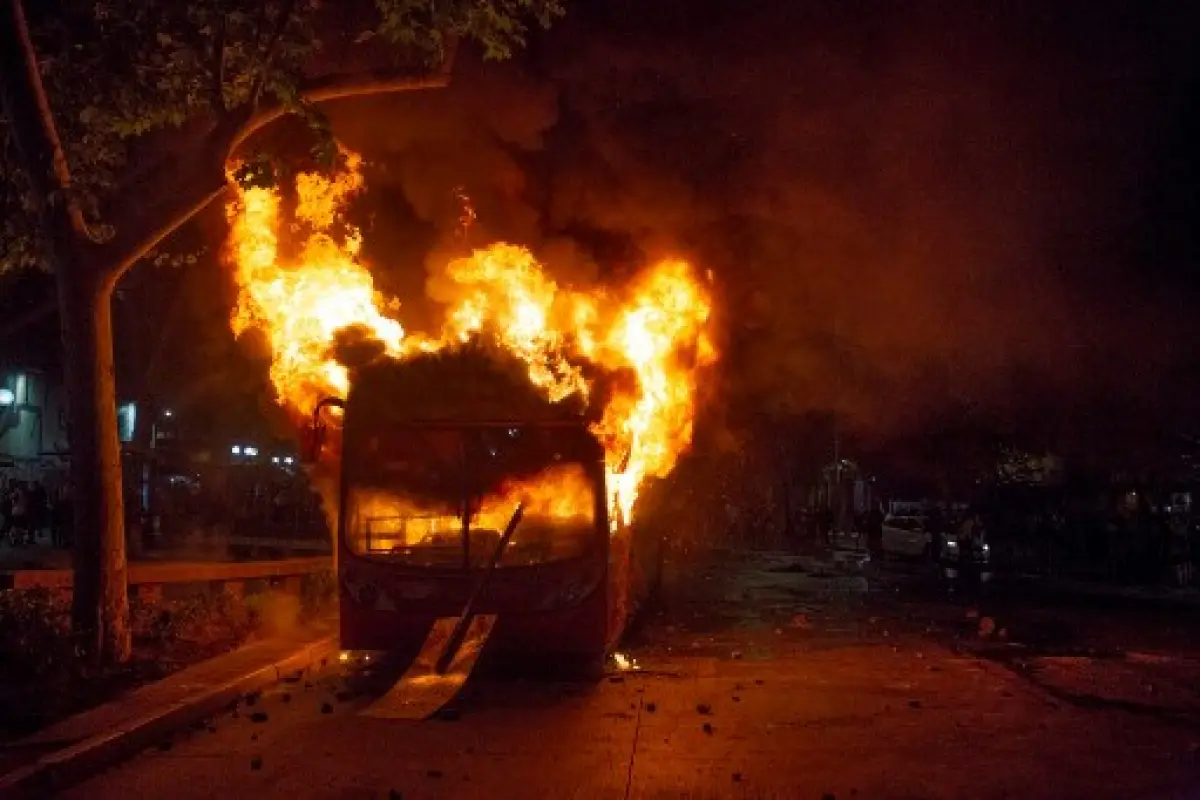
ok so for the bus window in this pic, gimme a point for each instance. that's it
(441, 498)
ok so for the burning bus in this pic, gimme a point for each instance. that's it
(428, 484)
(303, 289)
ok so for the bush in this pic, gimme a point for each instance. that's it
(318, 593)
(35, 633)
(200, 621)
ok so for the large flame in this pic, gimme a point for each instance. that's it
(656, 328)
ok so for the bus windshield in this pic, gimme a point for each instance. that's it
(440, 497)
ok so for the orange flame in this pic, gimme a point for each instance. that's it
(658, 327)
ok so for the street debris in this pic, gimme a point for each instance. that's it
(259, 716)
(707, 728)
(256, 763)
(703, 708)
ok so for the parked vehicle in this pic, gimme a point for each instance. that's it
(906, 537)
(965, 562)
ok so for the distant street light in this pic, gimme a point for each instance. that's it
(168, 413)
(7, 398)
(237, 451)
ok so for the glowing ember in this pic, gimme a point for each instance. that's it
(657, 328)
(624, 663)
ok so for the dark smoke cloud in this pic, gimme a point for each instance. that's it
(907, 206)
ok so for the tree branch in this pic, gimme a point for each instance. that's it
(142, 222)
(285, 15)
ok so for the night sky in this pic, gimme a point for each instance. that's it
(925, 215)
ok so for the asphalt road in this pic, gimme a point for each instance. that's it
(758, 679)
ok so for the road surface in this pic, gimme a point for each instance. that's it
(758, 679)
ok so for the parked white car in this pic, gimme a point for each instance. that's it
(906, 537)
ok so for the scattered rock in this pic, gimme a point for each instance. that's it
(256, 763)
(252, 699)
(759, 681)
(326, 708)
(737, 687)
(287, 698)
(737, 777)
(308, 684)
(254, 737)
(914, 703)
(737, 699)
(707, 728)
(434, 773)
(934, 668)
(259, 716)
(703, 708)
(651, 707)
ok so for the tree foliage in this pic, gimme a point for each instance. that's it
(132, 83)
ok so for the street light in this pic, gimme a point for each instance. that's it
(7, 398)
(236, 450)
(168, 413)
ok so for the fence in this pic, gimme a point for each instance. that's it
(148, 580)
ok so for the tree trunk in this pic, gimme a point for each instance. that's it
(100, 608)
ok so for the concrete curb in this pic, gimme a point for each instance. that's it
(71, 765)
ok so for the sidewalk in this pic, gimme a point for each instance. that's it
(79, 746)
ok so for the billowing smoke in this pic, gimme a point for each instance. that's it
(906, 206)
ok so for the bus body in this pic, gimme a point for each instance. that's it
(421, 505)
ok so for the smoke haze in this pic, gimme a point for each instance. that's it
(907, 206)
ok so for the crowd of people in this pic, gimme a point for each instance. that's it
(30, 510)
